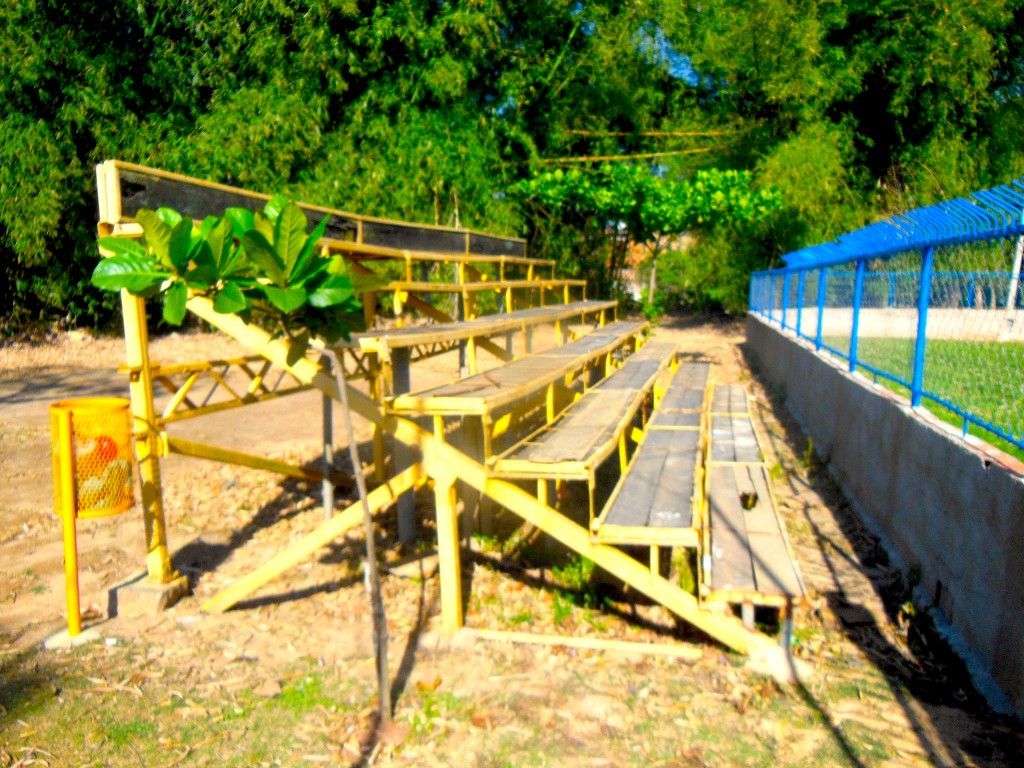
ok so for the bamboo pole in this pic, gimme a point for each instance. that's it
(380, 625)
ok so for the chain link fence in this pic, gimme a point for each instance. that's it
(940, 322)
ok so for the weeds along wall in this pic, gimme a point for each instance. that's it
(900, 350)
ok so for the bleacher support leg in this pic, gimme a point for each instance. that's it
(448, 554)
(400, 359)
(158, 560)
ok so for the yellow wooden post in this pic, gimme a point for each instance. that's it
(471, 359)
(67, 516)
(147, 450)
(377, 392)
(449, 564)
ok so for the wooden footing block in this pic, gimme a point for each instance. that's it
(141, 597)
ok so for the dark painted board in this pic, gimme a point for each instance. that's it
(676, 419)
(672, 504)
(682, 400)
(685, 441)
(733, 439)
(142, 190)
(761, 518)
(657, 351)
(748, 548)
(731, 567)
(773, 568)
(692, 376)
(632, 504)
(724, 499)
(729, 399)
(591, 421)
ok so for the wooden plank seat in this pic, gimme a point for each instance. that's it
(484, 393)
(748, 562)
(571, 447)
(381, 341)
(658, 500)
(504, 394)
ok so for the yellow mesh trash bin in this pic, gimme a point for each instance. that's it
(92, 456)
(91, 441)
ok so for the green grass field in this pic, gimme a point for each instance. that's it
(982, 377)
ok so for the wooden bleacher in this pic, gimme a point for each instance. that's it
(556, 413)
(748, 562)
(659, 499)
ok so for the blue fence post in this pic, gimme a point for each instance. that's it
(892, 289)
(923, 299)
(822, 287)
(858, 298)
(771, 294)
(970, 293)
(799, 298)
(785, 297)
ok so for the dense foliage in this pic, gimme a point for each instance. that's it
(432, 111)
(607, 210)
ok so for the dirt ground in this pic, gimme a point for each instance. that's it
(287, 677)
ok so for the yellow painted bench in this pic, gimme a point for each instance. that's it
(748, 562)
(658, 500)
(501, 396)
(592, 429)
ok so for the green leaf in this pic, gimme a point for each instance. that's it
(336, 289)
(230, 300)
(297, 348)
(133, 273)
(122, 246)
(207, 226)
(157, 235)
(179, 247)
(169, 216)
(290, 235)
(300, 271)
(174, 303)
(261, 253)
(203, 275)
(285, 299)
(222, 247)
(275, 207)
(262, 224)
(241, 221)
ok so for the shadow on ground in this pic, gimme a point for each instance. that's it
(930, 683)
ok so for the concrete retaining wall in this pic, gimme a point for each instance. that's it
(954, 510)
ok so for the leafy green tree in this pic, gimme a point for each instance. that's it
(618, 205)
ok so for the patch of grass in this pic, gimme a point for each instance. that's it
(685, 565)
(523, 617)
(981, 377)
(487, 542)
(120, 733)
(562, 607)
(810, 456)
(576, 574)
(304, 694)
(435, 706)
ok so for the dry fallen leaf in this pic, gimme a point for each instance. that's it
(430, 686)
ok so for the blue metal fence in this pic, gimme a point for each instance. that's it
(929, 302)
